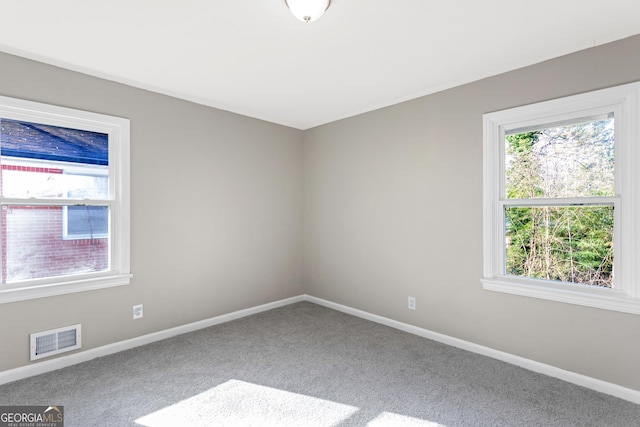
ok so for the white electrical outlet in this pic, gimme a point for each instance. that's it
(137, 312)
(412, 303)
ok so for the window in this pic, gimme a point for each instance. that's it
(87, 222)
(561, 199)
(64, 198)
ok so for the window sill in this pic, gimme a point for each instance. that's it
(63, 287)
(602, 298)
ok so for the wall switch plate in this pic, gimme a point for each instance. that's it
(137, 312)
(412, 303)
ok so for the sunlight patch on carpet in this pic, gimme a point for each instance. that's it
(240, 403)
(387, 419)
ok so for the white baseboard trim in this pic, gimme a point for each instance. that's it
(542, 368)
(84, 356)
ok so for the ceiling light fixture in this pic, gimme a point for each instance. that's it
(307, 10)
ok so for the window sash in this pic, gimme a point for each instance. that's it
(562, 201)
(500, 259)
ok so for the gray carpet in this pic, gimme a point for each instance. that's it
(306, 365)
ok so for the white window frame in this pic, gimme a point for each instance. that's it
(624, 102)
(118, 130)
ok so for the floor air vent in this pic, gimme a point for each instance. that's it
(55, 341)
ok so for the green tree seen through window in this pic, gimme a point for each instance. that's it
(567, 242)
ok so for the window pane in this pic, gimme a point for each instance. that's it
(54, 181)
(87, 221)
(44, 161)
(46, 142)
(572, 244)
(562, 160)
(33, 246)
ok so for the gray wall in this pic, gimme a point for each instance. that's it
(393, 207)
(216, 213)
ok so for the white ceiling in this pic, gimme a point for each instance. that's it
(254, 58)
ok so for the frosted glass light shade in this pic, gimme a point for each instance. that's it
(308, 10)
